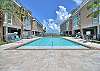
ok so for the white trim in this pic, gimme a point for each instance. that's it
(17, 3)
(13, 26)
(81, 6)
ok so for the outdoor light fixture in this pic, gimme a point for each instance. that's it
(34, 19)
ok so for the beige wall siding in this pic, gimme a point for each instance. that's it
(85, 21)
(37, 27)
(34, 26)
(1, 30)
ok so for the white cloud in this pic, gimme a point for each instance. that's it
(62, 14)
(50, 20)
(52, 25)
(78, 2)
(44, 23)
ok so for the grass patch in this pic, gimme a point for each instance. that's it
(2, 42)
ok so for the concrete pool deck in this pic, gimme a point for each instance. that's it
(18, 43)
(49, 60)
(90, 45)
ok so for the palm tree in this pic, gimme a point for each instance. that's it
(1, 25)
(93, 5)
(5, 5)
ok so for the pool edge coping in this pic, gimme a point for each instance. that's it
(81, 43)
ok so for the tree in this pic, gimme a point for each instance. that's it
(5, 5)
(92, 5)
(1, 25)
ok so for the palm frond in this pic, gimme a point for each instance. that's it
(93, 5)
(94, 14)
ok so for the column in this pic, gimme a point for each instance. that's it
(98, 28)
(34, 33)
(1, 25)
(6, 26)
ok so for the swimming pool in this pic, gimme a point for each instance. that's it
(48, 42)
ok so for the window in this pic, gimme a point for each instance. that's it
(9, 15)
(76, 21)
(5, 17)
(96, 20)
(9, 18)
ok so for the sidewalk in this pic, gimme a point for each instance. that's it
(90, 45)
(18, 43)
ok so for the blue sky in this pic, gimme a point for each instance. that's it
(46, 9)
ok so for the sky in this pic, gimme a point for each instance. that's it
(51, 12)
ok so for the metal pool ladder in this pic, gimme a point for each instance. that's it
(52, 43)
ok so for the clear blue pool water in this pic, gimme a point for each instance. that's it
(48, 41)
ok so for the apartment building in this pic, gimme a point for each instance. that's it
(89, 23)
(63, 28)
(82, 21)
(17, 19)
(26, 19)
(27, 25)
(76, 22)
(66, 27)
(71, 25)
(11, 21)
(37, 28)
